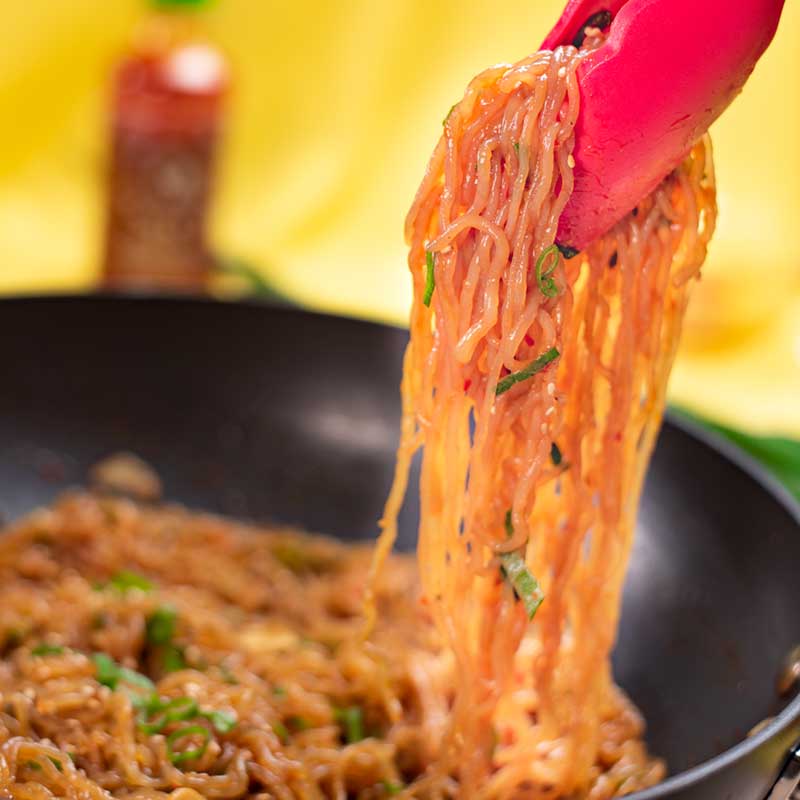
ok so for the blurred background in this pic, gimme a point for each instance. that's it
(323, 115)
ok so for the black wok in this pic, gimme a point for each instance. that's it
(275, 413)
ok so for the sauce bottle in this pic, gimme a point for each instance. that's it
(166, 120)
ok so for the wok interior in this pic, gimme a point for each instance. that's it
(284, 415)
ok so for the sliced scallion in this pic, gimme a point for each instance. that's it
(509, 524)
(45, 649)
(281, 731)
(545, 267)
(178, 757)
(538, 365)
(430, 277)
(125, 581)
(222, 721)
(111, 674)
(525, 586)
(352, 721)
(160, 627)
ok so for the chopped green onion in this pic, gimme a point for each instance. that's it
(392, 787)
(193, 752)
(544, 271)
(35, 765)
(179, 709)
(279, 691)
(46, 649)
(538, 365)
(430, 277)
(299, 723)
(567, 251)
(111, 674)
(352, 721)
(173, 659)
(222, 721)
(525, 586)
(281, 731)
(161, 625)
(452, 109)
(126, 580)
(516, 147)
(555, 454)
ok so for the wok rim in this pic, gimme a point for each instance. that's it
(754, 470)
(729, 451)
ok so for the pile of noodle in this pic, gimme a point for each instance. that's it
(552, 468)
(266, 633)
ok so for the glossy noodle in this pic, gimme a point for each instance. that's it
(535, 386)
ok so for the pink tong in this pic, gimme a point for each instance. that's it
(666, 71)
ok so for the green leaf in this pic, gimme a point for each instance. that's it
(430, 277)
(538, 365)
(352, 721)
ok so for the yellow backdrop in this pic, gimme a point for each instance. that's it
(337, 106)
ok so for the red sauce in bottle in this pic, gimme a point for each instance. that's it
(166, 121)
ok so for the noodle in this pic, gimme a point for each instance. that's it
(150, 652)
(256, 628)
(549, 467)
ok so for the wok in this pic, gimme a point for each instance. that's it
(292, 416)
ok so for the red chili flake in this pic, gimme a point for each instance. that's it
(467, 384)
(509, 737)
(529, 340)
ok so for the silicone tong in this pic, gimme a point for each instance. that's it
(666, 70)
